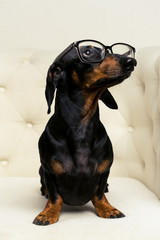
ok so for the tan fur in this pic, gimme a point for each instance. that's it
(104, 209)
(51, 212)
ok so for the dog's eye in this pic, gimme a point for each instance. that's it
(87, 53)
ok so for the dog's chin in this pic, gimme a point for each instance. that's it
(109, 82)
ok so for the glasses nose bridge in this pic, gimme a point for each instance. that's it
(108, 50)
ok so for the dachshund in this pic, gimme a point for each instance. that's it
(75, 151)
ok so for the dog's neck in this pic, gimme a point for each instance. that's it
(81, 106)
(90, 104)
(81, 115)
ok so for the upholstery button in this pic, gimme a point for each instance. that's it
(130, 129)
(2, 89)
(4, 163)
(26, 61)
(29, 125)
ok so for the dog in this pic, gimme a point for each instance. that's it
(75, 151)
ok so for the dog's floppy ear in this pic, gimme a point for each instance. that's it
(108, 100)
(53, 76)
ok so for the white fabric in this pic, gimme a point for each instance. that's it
(21, 201)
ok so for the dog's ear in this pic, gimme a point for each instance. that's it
(108, 100)
(53, 76)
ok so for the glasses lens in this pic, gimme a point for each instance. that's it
(91, 51)
(123, 49)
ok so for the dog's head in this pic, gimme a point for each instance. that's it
(91, 66)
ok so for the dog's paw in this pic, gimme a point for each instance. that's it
(44, 219)
(50, 214)
(104, 209)
(112, 213)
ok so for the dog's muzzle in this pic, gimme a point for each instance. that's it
(128, 64)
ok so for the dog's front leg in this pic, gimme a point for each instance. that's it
(104, 209)
(51, 212)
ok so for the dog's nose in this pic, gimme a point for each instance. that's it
(128, 63)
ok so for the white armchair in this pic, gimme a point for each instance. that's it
(134, 183)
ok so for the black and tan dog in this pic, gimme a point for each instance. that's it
(75, 150)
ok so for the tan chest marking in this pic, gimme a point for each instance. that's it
(103, 166)
(57, 167)
(75, 77)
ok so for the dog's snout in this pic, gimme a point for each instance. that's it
(128, 63)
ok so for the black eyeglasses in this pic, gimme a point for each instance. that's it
(92, 51)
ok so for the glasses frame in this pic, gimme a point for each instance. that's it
(76, 45)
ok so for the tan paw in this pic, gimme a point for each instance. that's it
(104, 209)
(50, 214)
(45, 219)
(114, 213)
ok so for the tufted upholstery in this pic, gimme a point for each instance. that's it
(22, 109)
(134, 129)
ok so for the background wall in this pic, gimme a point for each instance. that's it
(57, 23)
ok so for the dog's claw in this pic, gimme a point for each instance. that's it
(114, 213)
(46, 223)
(121, 215)
(41, 222)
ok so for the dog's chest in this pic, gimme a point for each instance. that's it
(78, 163)
(80, 152)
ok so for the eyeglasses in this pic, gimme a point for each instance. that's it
(92, 51)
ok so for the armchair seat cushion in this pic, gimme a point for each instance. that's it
(21, 201)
